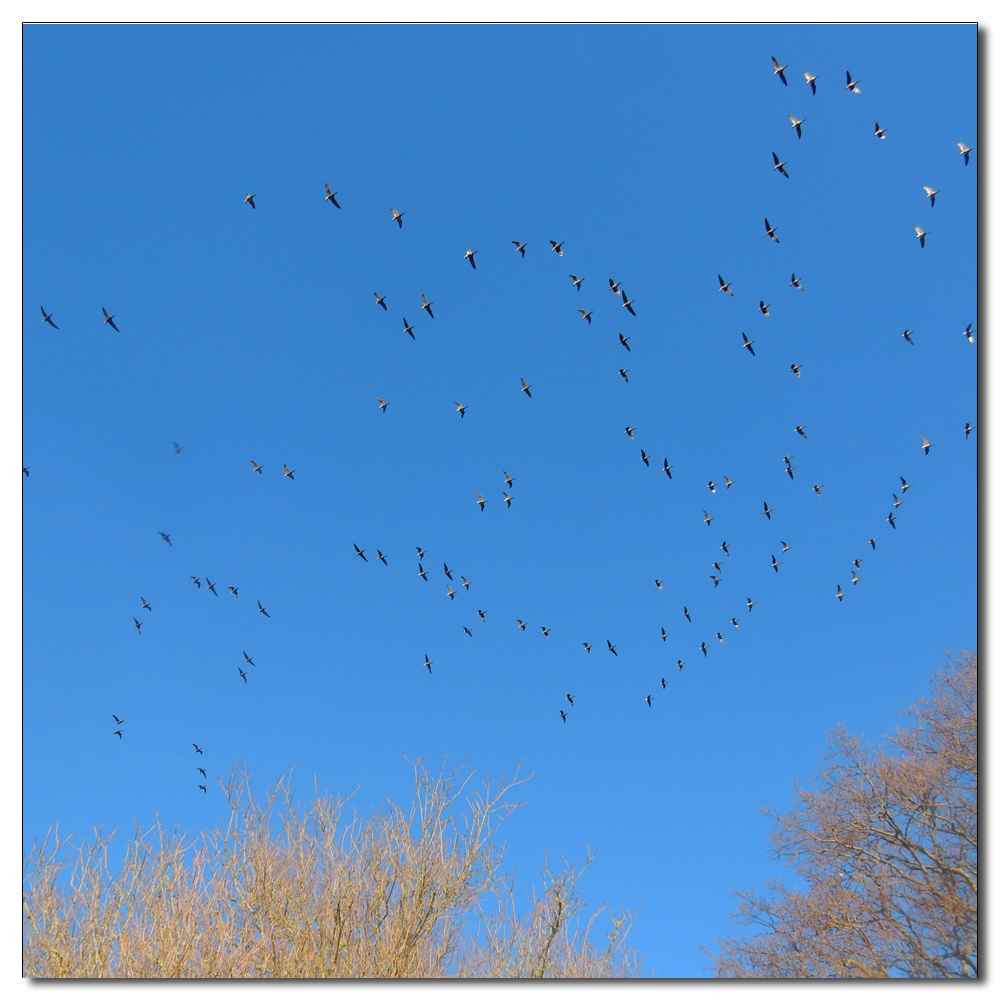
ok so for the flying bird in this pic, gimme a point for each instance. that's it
(854, 577)
(749, 604)
(932, 194)
(666, 468)
(796, 369)
(724, 286)
(197, 749)
(397, 217)
(242, 674)
(892, 520)
(234, 591)
(614, 285)
(711, 485)
(248, 659)
(577, 282)
(569, 698)
(447, 572)
(420, 552)
(725, 548)
(557, 247)
(109, 320)
(664, 634)
(508, 480)
(771, 230)
(421, 572)
(586, 315)
(879, 132)
(470, 256)
(408, 329)
(764, 308)
(715, 580)
(196, 582)
(525, 388)
(659, 584)
(704, 649)
(624, 373)
(381, 557)
(791, 471)
(687, 614)
(630, 431)
(24, 469)
(203, 774)
(451, 593)
(964, 151)
(249, 200)
(852, 85)
(467, 630)
(382, 404)
(796, 124)
(840, 593)
(331, 196)
(800, 430)
(177, 448)
(147, 607)
(779, 165)
(907, 335)
(508, 498)
(921, 234)
(587, 646)
(779, 71)
(166, 538)
(482, 614)
(708, 520)
(774, 564)
(522, 625)
(612, 648)
(519, 247)
(968, 430)
(47, 318)
(767, 511)
(718, 635)
(261, 610)
(204, 789)
(482, 503)
(680, 664)
(857, 563)
(426, 305)
(460, 409)
(896, 502)
(211, 586)
(427, 663)
(663, 683)
(968, 332)
(545, 631)
(872, 541)
(649, 700)
(748, 344)
(906, 485)
(289, 473)
(811, 80)
(795, 283)
(627, 302)
(926, 445)
(735, 622)
(729, 482)
(816, 489)
(380, 301)
(118, 722)
(465, 583)
(256, 467)
(563, 714)
(623, 340)
(785, 547)
(644, 458)
(360, 552)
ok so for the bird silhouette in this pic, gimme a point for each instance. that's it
(507, 479)
(968, 430)
(211, 586)
(137, 626)
(907, 335)
(774, 564)
(614, 286)
(289, 473)
(724, 286)
(465, 583)
(360, 552)
(892, 520)
(256, 467)
(146, 606)
(451, 593)
(118, 722)
(926, 445)
(382, 404)
(767, 511)
(748, 344)
(840, 593)
(749, 604)
(519, 247)
(779, 71)
(508, 498)
(381, 557)
(795, 283)
(816, 489)
(627, 302)
(680, 664)
(522, 625)
(704, 649)
(482, 503)
(545, 631)
(624, 373)
(248, 659)
(623, 340)
(408, 329)
(242, 674)
(771, 230)
(470, 256)
(797, 124)
(261, 610)
(249, 200)
(644, 458)
(421, 572)
(708, 520)
(460, 408)
(779, 165)
(879, 132)
(482, 614)
(687, 614)
(612, 648)
(649, 700)
(427, 663)
(932, 194)
(563, 714)
(109, 320)
(397, 217)
(796, 370)
(658, 584)
(447, 572)
(784, 547)
(664, 634)
(905, 486)
(331, 196)
(852, 85)
(666, 468)
(197, 749)
(872, 541)
(964, 151)
(735, 622)
(811, 80)
(587, 646)
(426, 305)
(166, 538)
(763, 309)
(234, 591)
(586, 315)
(47, 318)
(467, 630)
(968, 332)
(380, 301)
(577, 282)
(725, 548)
(556, 247)
(525, 388)
(921, 234)
(800, 430)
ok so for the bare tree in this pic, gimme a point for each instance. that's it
(886, 843)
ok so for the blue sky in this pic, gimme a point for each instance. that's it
(253, 334)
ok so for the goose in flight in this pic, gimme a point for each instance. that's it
(420, 552)
(482, 503)
(630, 431)
(177, 448)
(525, 388)
(256, 467)
(771, 230)
(748, 344)
(735, 622)
(203, 774)
(508, 479)
(725, 548)
(811, 80)
(380, 301)
(663, 682)
(447, 572)
(467, 630)
(577, 282)
(795, 283)
(331, 196)
(666, 468)
(907, 335)
(381, 557)
(708, 520)
(749, 604)
(800, 430)
(896, 502)
(47, 318)
(470, 256)
(796, 370)
(932, 194)
(624, 373)
(649, 700)
(779, 71)
(427, 663)
(892, 520)
(905, 485)
(482, 614)
(118, 722)
(587, 646)
(563, 714)
(360, 552)
(816, 489)
(872, 541)
(969, 428)
(586, 315)
(623, 340)
(166, 538)
(680, 664)
(715, 580)
(146, 606)
(968, 332)
(921, 234)
(397, 217)
(711, 486)
(521, 625)
(718, 635)
(242, 674)
(545, 631)
(879, 132)
(261, 610)
(724, 286)
(465, 583)
(460, 409)
(790, 469)
(519, 247)
(664, 634)
(774, 564)
(451, 593)
(248, 659)
(612, 648)
(854, 577)
(857, 563)
(762, 308)
(197, 749)
(211, 586)
(196, 582)
(249, 200)
(687, 614)
(658, 584)
(644, 458)
(557, 247)
(840, 593)
(785, 547)
(704, 649)
(779, 165)
(926, 445)
(289, 473)
(382, 404)
(508, 498)
(796, 124)
(421, 572)
(767, 511)
(964, 151)
(852, 85)
(627, 302)
(426, 305)
(109, 320)
(729, 482)
(408, 329)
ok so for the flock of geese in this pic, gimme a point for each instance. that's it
(627, 304)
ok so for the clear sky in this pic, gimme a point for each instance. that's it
(253, 334)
